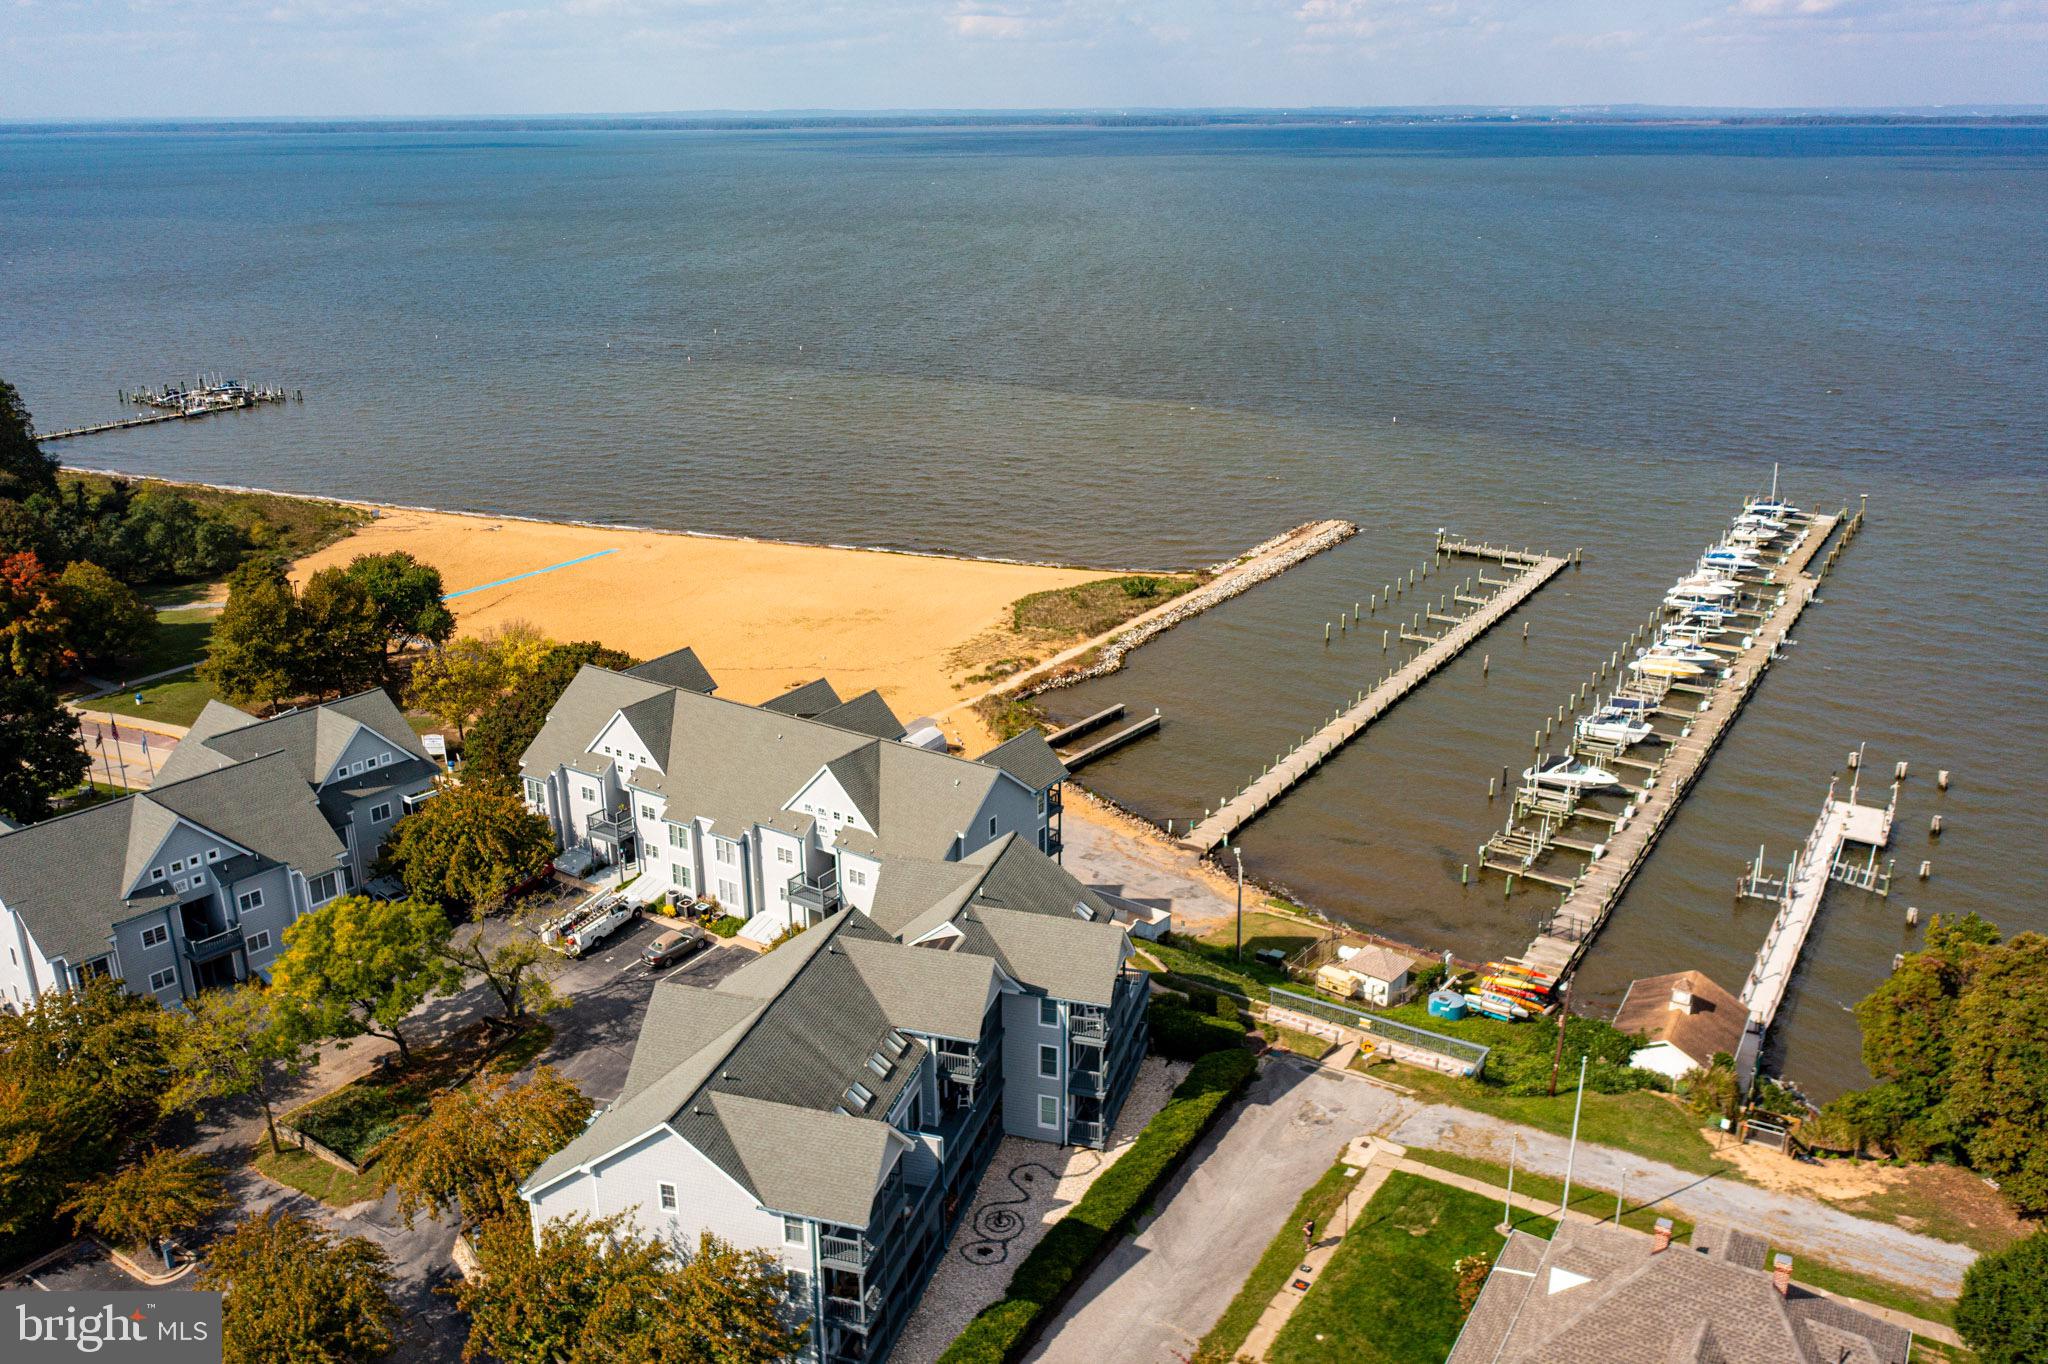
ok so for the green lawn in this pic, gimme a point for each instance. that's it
(1270, 1273)
(1646, 1123)
(1596, 1202)
(175, 700)
(180, 638)
(1262, 930)
(1389, 1294)
(1300, 1043)
(309, 1174)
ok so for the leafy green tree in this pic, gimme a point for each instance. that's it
(295, 1292)
(149, 1201)
(453, 683)
(356, 967)
(79, 1071)
(407, 596)
(108, 622)
(24, 467)
(342, 648)
(1711, 1091)
(40, 754)
(517, 968)
(595, 1292)
(471, 1148)
(252, 657)
(2003, 1312)
(227, 1043)
(469, 846)
(508, 725)
(1995, 1094)
(35, 634)
(172, 539)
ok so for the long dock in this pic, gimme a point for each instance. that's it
(1818, 862)
(146, 419)
(1533, 570)
(1590, 896)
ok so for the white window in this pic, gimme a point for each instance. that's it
(156, 873)
(178, 865)
(590, 793)
(857, 876)
(533, 792)
(793, 1231)
(728, 853)
(1041, 802)
(678, 836)
(155, 935)
(260, 942)
(668, 1197)
(213, 854)
(1049, 1062)
(1048, 1110)
(180, 884)
(162, 980)
(784, 855)
(323, 887)
(380, 813)
(1049, 1013)
(679, 874)
(647, 812)
(730, 893)
(198, 878)
(250, 899)
(991, 826)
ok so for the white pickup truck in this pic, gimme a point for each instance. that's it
(588, 924)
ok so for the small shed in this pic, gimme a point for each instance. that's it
(1382, 972)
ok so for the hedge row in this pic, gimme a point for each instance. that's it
(1181, 1033)
(999, 1333)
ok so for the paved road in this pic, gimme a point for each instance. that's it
(1801, 1225)
(1158, 1292)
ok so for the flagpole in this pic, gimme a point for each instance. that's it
(1572, 1155)
(1507, 1209)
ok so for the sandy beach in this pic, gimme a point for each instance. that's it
(763, 616)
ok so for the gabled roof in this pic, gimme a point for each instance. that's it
(859, 774)
(1715, 1024)
(652, 719)
(314, 738)
(1571, 1299)
(68, 877)
(678, 669)
(807, 701)
(1028, 758)
(867, 713)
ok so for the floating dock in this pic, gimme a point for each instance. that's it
(1532, 570)
(1707, 708)
(1818, 862)
(173, 404)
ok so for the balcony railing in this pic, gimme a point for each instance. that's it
(615, 825)
(1081, 1133)
(860, 1312)
(960, 1067)
(213, 945)
(1090, 1028)
(852, 1252)
(819, 893)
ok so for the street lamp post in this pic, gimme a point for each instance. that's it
(1238, 853)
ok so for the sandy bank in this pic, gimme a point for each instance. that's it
(763, 616)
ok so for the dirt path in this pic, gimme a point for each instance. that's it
(1801, 1225)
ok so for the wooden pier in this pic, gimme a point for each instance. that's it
(1534, 570)
(146, 419)
(1102, 748)
(232, 398)
(1818, 862)
(1590, 896)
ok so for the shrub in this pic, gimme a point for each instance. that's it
(1226, 1008)
(1002, 1329)
(1179, 1033)
(1140, 586)
(725, 925)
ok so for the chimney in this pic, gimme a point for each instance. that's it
(1681, 999)
(1660, 1239)
(1781, 1274)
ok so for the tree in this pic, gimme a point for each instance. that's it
(507, 725)
(296, 1292)
(79, 1070)
(35, 634)
(252, 655)
(593, 1291)
(455, 682)
(518, 970)
(356, 967)
(469, 846)
(227, 1043)
(2003, 1312)
(407, 597)
(108, 622)
(344, 641)
(1711, 1092)
(474, 1145)
(40, 754)
(146, 1203)
(172, 539)
(24, 467)
(1995, 1094)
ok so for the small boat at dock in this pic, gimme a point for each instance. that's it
(1610, 726)
(1568, 772)
(1658, 665)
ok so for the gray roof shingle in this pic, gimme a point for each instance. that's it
(806, 702)
(677, 669)
(1028, 758)
(867, 714)
(314, 738)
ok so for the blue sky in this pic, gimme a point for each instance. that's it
(226, 58)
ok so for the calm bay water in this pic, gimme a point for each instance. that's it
(1153, 348)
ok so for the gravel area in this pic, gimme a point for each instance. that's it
(1028, 1187)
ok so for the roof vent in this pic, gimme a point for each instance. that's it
(1081, 911)
(879, 1066)
(894, 1042)
(859, 1095)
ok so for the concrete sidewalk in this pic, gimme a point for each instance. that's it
(1374, 1161)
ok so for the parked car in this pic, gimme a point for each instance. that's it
(673, 946)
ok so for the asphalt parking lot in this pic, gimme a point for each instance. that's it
(84, 1267)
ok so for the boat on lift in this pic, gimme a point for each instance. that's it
(1610, 726)
(1685, 649)
(1727, 556)
(1664, 666)
(1569, 772)
(1699, 610)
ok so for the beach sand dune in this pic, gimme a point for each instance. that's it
(763, 616)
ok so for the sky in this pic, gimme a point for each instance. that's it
(84, 59)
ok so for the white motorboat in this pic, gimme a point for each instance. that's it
(1567, 772)
(1725, 555)
(1699, 608)
(1753, 535)
(1685, 649)
(1660, 665)
(1706, 585)
(1612, 726)
(1693, 631)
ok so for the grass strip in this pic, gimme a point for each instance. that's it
(309, 1174)
(1002, 1329)
(1586, 1198)
(1269, 1275)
